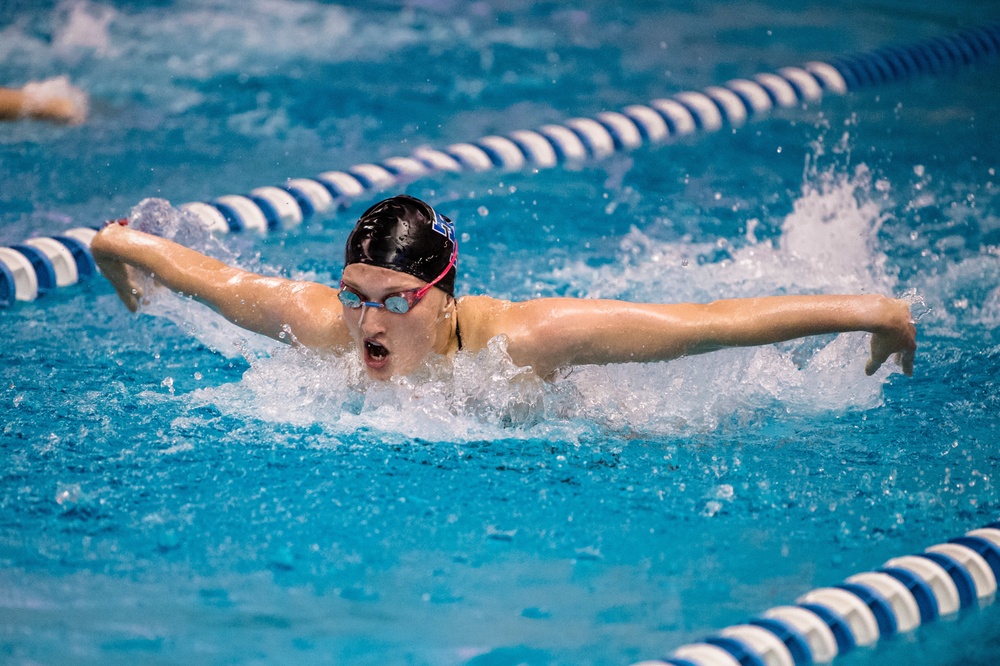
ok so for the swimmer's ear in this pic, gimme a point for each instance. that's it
(449, 307)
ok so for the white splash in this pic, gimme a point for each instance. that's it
(39, 95)
(83, 25)
(964, 294)
(828, 244)
(477, 396)
(158, 217)
(202, 38)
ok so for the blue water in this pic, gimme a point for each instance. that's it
(175, 491)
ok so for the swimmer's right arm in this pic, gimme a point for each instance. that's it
(265, 305)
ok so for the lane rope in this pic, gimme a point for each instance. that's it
(828, 622)
(32, 268)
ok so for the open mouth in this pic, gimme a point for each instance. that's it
(376, 354)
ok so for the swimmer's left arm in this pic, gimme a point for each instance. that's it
(552, 333)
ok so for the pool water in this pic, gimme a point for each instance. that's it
(176, 491)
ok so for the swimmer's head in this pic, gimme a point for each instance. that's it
(405, 234)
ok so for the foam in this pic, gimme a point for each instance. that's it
(198, 40)
(966, 293)
(478, 396)
(828, 245)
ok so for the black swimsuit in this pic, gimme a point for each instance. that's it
(458, 333)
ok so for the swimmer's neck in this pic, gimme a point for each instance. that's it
(448, 335)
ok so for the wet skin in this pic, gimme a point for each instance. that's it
(545, 334)
(395, 344)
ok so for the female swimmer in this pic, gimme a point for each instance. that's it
(396, 305)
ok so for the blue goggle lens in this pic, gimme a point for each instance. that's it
(394, 304)
(350, 299)
(397, 304)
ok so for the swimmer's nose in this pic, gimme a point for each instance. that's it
(370, 322)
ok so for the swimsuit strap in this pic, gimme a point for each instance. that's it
(458, 331)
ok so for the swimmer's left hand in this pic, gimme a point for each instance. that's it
(894, 335)
(120, 274)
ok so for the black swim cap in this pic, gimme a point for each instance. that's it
(405, 234)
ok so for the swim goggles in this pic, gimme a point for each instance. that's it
(399, 302)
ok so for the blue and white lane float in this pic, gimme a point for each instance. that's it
(825, 623)
(31, 268)
(582, 139)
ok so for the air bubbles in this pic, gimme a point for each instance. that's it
(711, 508)
(724, 492)
(68, 495)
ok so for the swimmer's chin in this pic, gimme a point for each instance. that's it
(434, 367)
(381, 372)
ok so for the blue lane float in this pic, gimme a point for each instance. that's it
(828, 622)
(24, 275)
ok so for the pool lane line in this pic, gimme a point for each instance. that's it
(905, 593)
(30, 269)
(580, 140)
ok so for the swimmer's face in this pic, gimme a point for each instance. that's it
(395, 344)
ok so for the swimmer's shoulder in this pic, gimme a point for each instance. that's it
(481, 319)
(315, 315)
